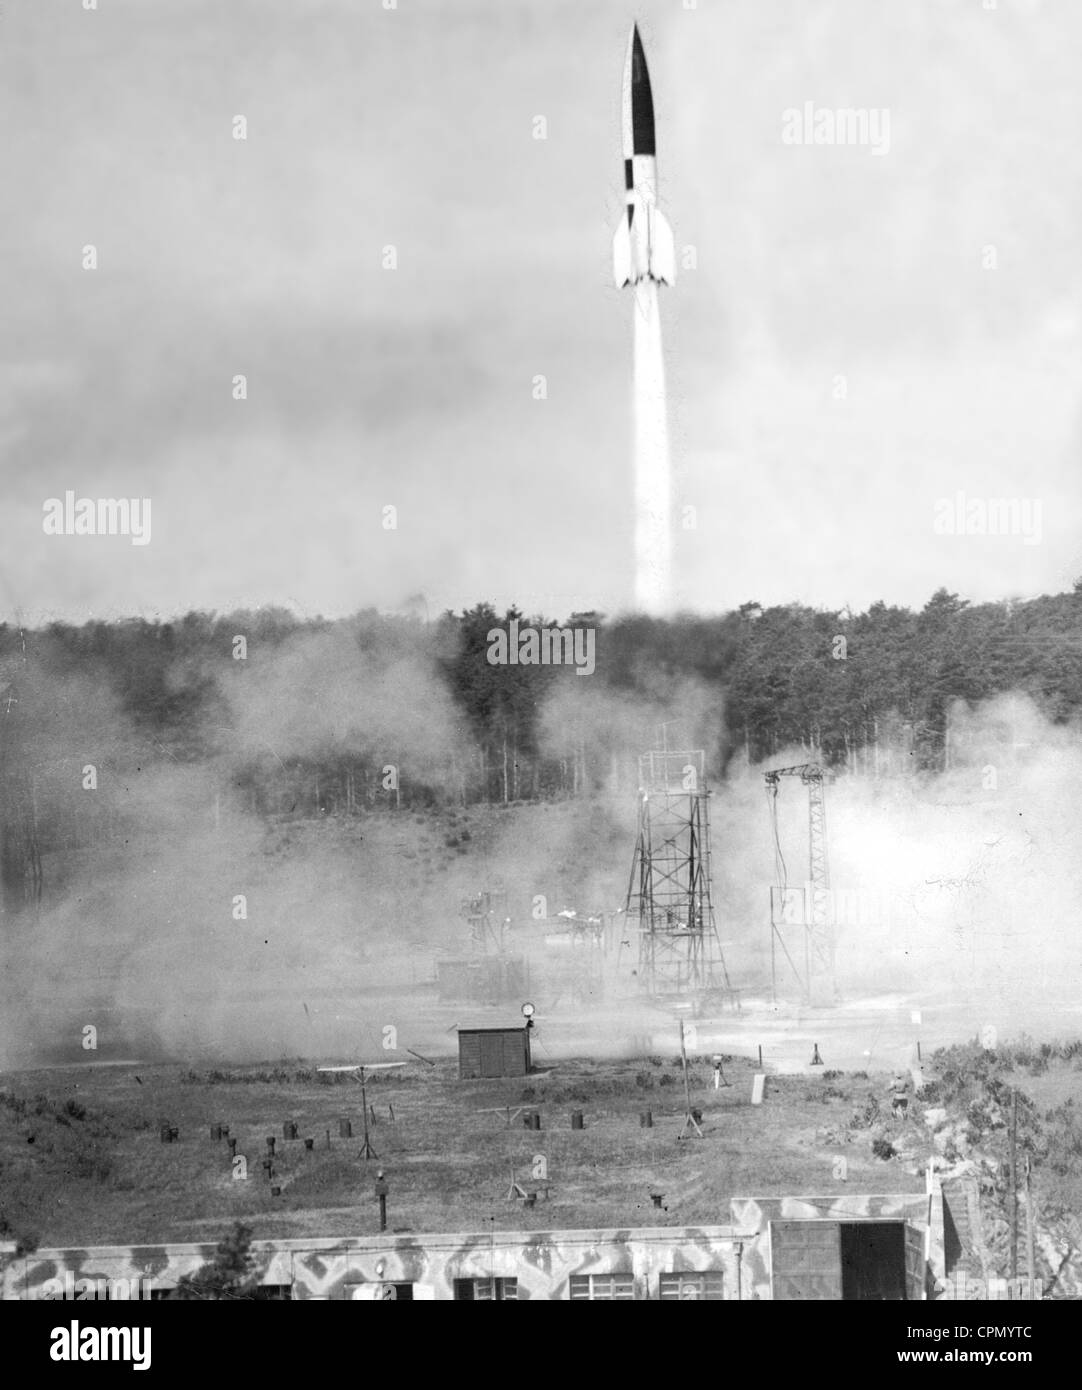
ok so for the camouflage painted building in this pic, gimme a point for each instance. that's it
(837, 1247)
(842, 1247)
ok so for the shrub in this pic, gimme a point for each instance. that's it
(964, 1069)
(228, 1276)
(1064, 1138)
(25, 1242)
(883, 1148)
(867, 1116)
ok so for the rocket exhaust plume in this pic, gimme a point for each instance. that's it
(653, 546)
(643, 257)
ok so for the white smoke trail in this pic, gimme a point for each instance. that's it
(653, 544)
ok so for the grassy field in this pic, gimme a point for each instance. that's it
(82, 1162)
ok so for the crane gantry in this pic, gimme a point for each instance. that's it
(814, 964)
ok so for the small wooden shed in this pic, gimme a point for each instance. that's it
(493, 1052)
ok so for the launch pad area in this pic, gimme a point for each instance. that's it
(449, 1149)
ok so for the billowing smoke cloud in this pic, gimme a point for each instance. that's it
(183, 919)
(176, 917)
(954, 888)
(322, 696)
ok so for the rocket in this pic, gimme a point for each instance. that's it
(643, 257)
(643, 245)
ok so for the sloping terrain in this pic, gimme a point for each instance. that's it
(83, 1161)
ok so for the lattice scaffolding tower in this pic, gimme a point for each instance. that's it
(669, 890)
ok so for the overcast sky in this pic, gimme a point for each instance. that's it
(413, 387)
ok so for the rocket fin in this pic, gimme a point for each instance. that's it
(662, 251)
(621, 254)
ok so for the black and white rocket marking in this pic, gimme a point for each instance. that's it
(643, 245)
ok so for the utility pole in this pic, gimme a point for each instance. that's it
(1013, 1191)
(690, 1122)
(1030, 1256)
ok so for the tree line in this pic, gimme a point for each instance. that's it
(871, 691)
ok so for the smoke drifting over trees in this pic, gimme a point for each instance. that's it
(314, 705)
(254, 804)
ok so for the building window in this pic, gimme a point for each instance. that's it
(597, 1286)
(688, 1285)
(485, 1290)
(372, 1290)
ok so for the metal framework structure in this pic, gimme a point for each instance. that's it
(487, 917)
(808, 909)
(669, 889)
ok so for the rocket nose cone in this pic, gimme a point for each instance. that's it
(642, 99)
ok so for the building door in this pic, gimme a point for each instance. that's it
(855, 1261)
(492, 1054)
(916, 1284)
(873, 1261)
(805, 1260)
